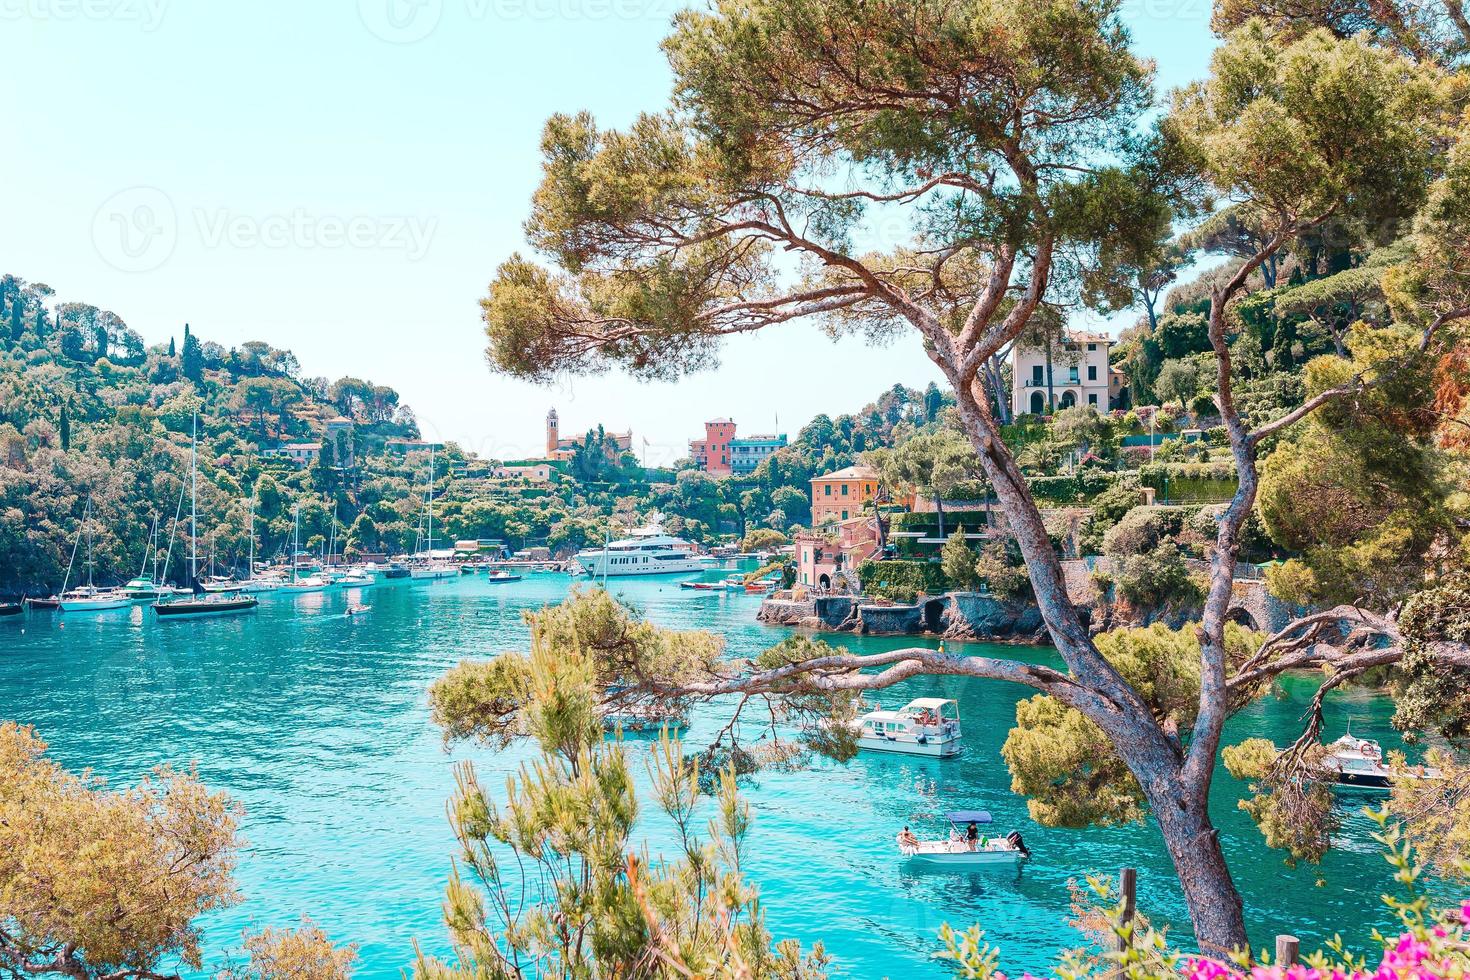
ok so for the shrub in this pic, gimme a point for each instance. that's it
(1156, 578)
(1140, 531)
(1002, 571)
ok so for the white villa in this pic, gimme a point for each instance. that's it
(1080, 375)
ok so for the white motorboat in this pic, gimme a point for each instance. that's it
(967, 846)
(147, 590)
(91, 599)
(1357, 763)
(924, 726)
(646, 550)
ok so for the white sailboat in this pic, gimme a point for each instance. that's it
(431, 568)
(89, 598)
(300, 584)
(199, 603)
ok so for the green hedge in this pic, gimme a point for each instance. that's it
(1190, 482)
(1077, 489)
(901, 581)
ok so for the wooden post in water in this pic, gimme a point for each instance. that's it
(1287, 948)
(1128, 885)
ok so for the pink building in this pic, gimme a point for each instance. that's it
(712, 453)
(820, 558)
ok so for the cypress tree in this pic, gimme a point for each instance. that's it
(65, 427)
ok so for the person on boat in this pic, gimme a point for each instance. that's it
(907, 840)
(972, 836)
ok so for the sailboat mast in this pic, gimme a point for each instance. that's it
(194, 503)
(250, 569)
(429, 505)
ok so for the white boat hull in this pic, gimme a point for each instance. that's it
(96, 605)
(935, 748)
(598, 568)
(960, 859)
(303, 589)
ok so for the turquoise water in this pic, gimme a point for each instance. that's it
(318, 724)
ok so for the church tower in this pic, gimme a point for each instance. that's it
(553, 434)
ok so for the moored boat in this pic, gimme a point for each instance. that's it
(645, 551)
(496, 578)
(91, 599)
(147, 590)
(966, 847)
(10, 609)
(924, 726)
(1357, 763)
(205, 604)
(199, 602)
(44, 603)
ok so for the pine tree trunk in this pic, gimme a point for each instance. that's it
(1215, 906)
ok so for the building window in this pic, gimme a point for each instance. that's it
(844, 489)
(1036, 377)
(1092, 372)
(1091, 348)
(827, 489)
(1092, 400)
(844, 515)
(1072, 374)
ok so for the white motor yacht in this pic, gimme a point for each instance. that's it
(924, 726)
(645, 551)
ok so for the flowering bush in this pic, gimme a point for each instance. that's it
(1429, 945)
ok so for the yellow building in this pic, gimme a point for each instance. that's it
(840, 495)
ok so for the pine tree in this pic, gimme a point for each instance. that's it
(192, 366)
(17, 318)
(958, 560)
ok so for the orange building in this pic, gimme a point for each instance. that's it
(712, 453)
(840, 496)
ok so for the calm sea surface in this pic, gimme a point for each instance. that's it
(318, 724)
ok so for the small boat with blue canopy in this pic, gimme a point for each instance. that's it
(967, 846)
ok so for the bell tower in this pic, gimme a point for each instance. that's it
(553, 434)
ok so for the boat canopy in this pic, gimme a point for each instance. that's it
(937, 705)
(968, 816)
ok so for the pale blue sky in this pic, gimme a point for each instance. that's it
(341, 177)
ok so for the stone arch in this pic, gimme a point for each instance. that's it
(1243, 617)
(1038, 403)
(933, 616)
(1068, 399)
(824, 581)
